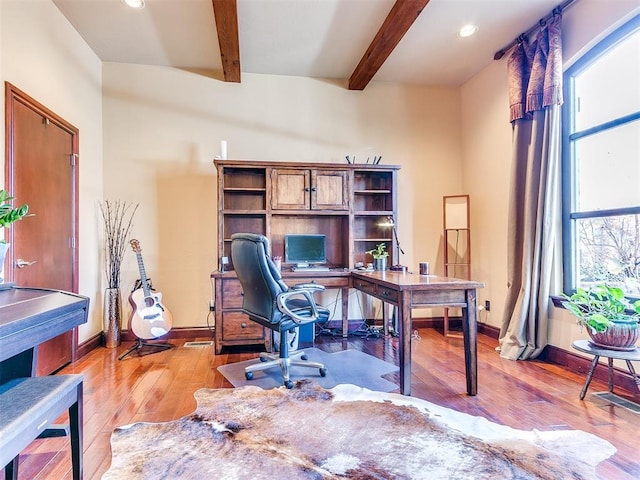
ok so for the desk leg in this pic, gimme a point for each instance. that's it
(470, 333)
(385, 320)
(594, 364)
(344, 293)
(404, 327)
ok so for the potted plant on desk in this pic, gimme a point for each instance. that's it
(611, 319)
(379, 255)
(8, 215)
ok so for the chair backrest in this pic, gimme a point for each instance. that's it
(260, 279)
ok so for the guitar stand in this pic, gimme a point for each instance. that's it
(141, 343)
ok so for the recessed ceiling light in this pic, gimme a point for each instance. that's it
(134, 3)
(467, 30)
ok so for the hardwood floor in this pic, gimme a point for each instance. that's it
(160, 387)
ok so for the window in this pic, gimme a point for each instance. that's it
(601, 164)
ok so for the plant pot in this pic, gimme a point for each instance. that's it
(380, 263)
(112, 317)
(621, 335)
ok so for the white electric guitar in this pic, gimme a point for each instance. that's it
(149, 319)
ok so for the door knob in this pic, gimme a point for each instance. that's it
(20, 263)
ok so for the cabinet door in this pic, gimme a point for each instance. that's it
(290, 189)
(329, 190)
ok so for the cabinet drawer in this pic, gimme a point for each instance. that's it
(379, 291)
(387, 294)
(231, 294)
(237, 326)
(329, 282)
(364, 286)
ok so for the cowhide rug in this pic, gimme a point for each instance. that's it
(346, 432)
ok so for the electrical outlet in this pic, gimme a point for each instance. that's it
(487, 305)
(212, 305)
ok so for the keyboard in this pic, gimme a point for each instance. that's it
(310, 269)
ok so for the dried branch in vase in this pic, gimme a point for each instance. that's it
(118, 219)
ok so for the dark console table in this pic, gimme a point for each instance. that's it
(30, 316)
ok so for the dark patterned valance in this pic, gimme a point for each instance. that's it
(535, 72)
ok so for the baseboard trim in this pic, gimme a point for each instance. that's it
(85, 347)
(179, 332)
(127, 336)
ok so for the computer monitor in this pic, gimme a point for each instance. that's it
(305, 249)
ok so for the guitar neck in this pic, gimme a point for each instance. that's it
(143, 276)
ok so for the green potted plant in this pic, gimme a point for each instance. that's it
(379, 255)
(8, 215)
(610, 318)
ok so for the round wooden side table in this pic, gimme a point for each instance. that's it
(586, 347)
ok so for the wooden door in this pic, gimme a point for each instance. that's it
(41, 170)
(329, 190)
(290, 189)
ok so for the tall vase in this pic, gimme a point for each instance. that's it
(112, 317)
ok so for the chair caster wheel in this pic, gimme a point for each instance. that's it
(288, 384)
(323, 372)
(304, 356)
(248, 375)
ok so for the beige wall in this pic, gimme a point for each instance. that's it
(486, 152)
(41, 54)
(150, 135)
(163, 127)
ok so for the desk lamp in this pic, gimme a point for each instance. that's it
(389, 222)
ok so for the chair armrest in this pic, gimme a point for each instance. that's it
(308, 286)
(282, 306)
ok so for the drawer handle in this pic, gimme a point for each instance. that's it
(385, 293)
(243, 325)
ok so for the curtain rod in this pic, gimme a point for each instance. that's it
(523, 37)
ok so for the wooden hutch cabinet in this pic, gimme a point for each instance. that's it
(347, 203)
(301, 189)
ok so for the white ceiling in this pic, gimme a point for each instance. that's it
(309, 38)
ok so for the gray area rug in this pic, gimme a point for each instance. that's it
(346, 366)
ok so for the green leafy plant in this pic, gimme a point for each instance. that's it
(9, 214)
(600, 305)
(379, 252)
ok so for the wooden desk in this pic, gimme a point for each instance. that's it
(630, 355)
(30, 316)
(234, 327)
(410, 290)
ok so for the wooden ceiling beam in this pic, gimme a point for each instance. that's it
(400, 18)
(226, 17)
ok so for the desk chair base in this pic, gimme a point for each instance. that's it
(141, 343)
(295, 359)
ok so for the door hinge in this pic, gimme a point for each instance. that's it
(73, 158)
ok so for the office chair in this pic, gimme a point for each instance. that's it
(268, 301)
